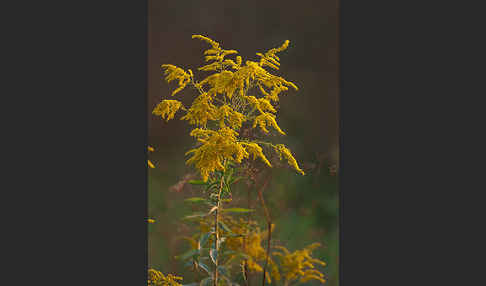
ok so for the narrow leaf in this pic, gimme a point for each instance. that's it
(195, 200)
(223, 271)
(206, 281)
(213, 253)
(235, 180)
(210, 186)
(213, 209)
(225, 227)
(204, 266)
(238, 210)
(188, 254)
(197, 182)
(196, 215)
(204, 238)
(230, 174)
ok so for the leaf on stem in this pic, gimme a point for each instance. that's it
(213, 253)
(204, 238)
(195, 200)
(238, 210)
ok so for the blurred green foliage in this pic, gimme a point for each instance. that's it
(304, 208)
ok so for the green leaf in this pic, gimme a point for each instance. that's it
(235, 235)
(234, 180)
(188, 263)
(230, 174)
(187, 254)
(213, 253)
(223, 271)
(238, 210)
(228, 252)
(208, 281)
(213, 209)
(205, 267)
(225, 227)
(204, 238)
(210, 186)
(195, 200)
(195, 215)
(197, 182)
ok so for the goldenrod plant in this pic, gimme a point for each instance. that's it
(233, 110)
(156, 278)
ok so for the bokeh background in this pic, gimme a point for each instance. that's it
(304, 208)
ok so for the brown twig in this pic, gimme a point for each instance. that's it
(216, 230)
(269, 224)
(245, 265)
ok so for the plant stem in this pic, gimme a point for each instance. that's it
(247, 280)
(269, 225)
(216, 228)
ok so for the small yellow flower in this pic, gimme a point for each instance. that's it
(150, 164)
(150, 220)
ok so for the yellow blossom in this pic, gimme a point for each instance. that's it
(256, 151)
(217, 146)
(150, 164)
(157, 278)
(234, 118)
(167, 109)
(300, 264)
(175, 73)
(223, 101)
(270, 58)
(201, 111)
(285, 152)
(265, 119)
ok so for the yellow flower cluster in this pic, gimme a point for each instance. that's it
(257, 253)
(167, 108)
(265, 119)
(156, 278)
(285, 152)
(175, 73)
(219, 146)
(223, 99)
(270, 58)
(201, 111)
(234, 118)
(300, 264)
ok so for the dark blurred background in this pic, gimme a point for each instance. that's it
(305, 208)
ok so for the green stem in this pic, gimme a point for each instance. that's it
(216, 227)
